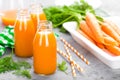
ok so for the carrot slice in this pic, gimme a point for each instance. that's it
(94, 27)
(113, 49)
(108, 30)
(82, 33)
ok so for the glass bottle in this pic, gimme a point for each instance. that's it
(24, 34)
(44, 49)
(8, 9)
(37, 14)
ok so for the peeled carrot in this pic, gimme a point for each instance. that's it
(113, 49)
(108, 30)
(109, 40)
(84, 27)
(113, 25)
(108, 52)
(104, 34)
(94, 27)
(82, 33)
(100, 45)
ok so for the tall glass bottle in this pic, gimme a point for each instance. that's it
(44, 49)
(37, 14)
(24, 34)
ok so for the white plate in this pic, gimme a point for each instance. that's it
(94, 3)
(111, 61)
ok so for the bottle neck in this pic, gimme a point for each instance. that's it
(23, 14)
(45, 26)
(36, 9)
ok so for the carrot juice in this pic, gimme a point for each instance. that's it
(44, 52)
(37, 17)
(37, 14)
(24, 34)
(9, 17)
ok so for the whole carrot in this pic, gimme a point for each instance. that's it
(108, 40)
(84, 27)
(114, 50)
(108, 30)
(100, 45)
(86, 36)
(95, 27)
(113, 25)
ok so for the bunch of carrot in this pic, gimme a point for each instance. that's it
(105, 35)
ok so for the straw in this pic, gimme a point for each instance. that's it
(71, 63)
(74, 50)
(70, 60)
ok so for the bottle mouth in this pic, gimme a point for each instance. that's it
(36, 5)
(45, 25)
(36, 8)
(23, 14)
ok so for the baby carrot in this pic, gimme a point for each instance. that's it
(84, 27)
(95, 27)
(109, 40)
(100, 45)
(108, 30)
(108, 52)
(113, 49)
(82, 33)
(113, 25)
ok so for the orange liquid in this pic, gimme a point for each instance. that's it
(24, 34)
(36, 17)
(44, 48)
(9, 17)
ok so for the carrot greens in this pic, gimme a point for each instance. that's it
(60, 14)
(62, 66)
(8, 64)
(24, 73)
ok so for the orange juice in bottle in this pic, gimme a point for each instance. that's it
(44, 49)
(24, 34)
(37, 14)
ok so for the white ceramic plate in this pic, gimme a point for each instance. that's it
(94, 3)
(111, 61)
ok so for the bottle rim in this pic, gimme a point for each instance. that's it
(47, 24)
(36, 8)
